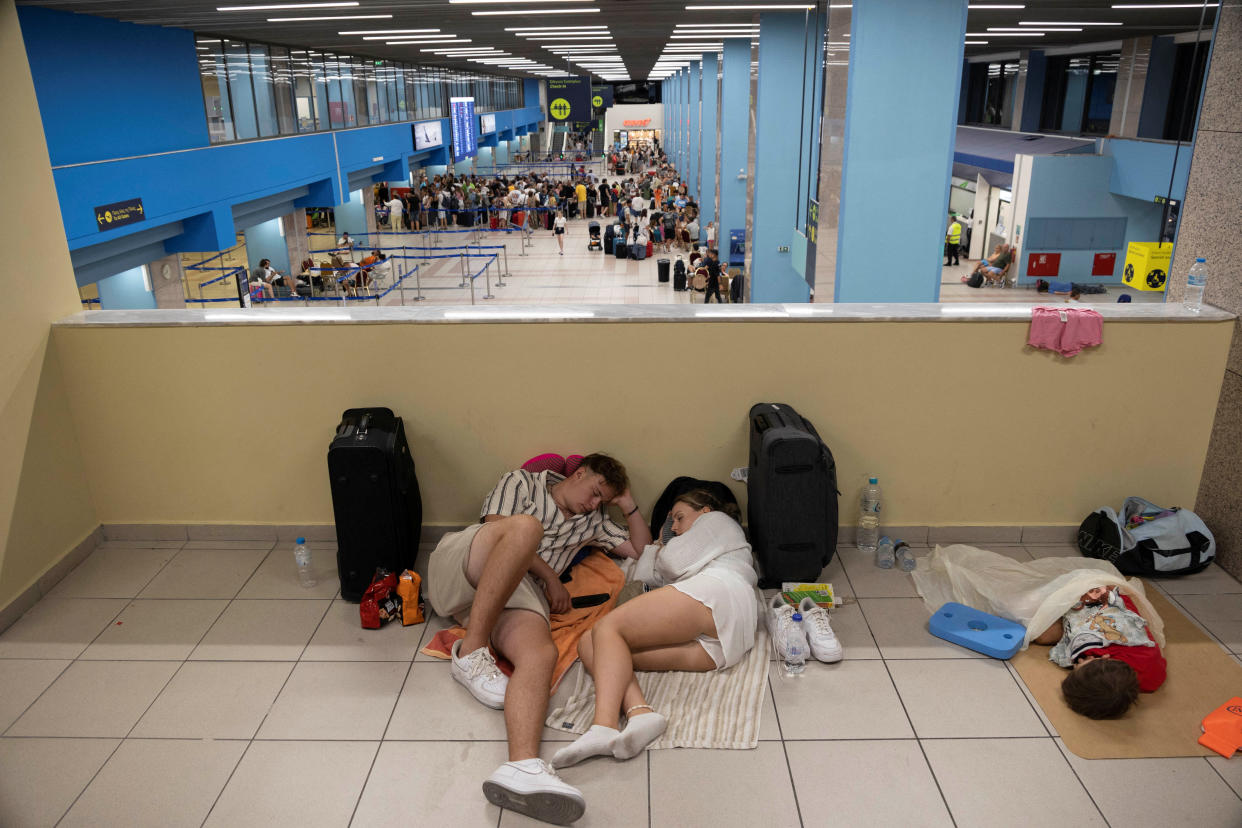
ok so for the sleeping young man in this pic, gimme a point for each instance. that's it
(504, 573)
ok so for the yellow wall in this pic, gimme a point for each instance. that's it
(45, 509)
(962, 423)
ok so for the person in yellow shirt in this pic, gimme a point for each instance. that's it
(580, 191)
(952, 241)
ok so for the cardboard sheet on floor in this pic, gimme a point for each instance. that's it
(1201, 677)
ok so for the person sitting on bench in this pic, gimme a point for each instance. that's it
(994, 267)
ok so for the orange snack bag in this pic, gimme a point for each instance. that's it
(411, 604)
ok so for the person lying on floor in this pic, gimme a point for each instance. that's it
(530, 527)
(1084, 606)
(1110, 652)
(701, 616)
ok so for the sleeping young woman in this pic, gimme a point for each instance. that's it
(700, 615)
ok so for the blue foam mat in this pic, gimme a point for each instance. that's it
(977, 630)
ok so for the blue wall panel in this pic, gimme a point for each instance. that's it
(1142, 168)
(108, 89)
(264, 241)
(126, 291)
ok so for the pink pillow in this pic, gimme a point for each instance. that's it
(545, 462)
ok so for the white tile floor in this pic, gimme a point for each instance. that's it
(200, 686)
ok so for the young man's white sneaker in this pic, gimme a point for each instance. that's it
(531, 787)
(819, 634)
(478, 673)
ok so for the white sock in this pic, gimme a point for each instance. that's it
(597, 741)
(639, 732)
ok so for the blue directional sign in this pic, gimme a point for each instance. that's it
(465, 139)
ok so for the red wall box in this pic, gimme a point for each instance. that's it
(1105, 264)
(1043, 264)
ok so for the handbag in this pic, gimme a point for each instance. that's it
(1148, 540)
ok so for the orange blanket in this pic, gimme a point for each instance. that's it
(593, 574)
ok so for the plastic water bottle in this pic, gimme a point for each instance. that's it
(869, 517)
(884, 557)
(1196, 281)
(905, 558)
(302, 556)
(795, 646)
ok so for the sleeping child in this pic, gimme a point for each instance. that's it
(1109, 650)
(1101, 624)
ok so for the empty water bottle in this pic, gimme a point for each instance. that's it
(884, 553)
(905, 558)
(1196, 281)
(794, 646)
(302, 556)
(869, 516)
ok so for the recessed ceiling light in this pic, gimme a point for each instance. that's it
(1004, 34)
(994, 29)
(399, 36)
(273, 6)
(759, 7)
(423, 42)
(1166, 5)
(389, 31)
(570, 37)
(1063, 23)
(552, 28)
(341, 17)
(987, 7)
(534, 11)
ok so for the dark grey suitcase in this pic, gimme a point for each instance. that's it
(792, 506)
(375, 498)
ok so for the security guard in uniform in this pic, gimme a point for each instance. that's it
(952, 241)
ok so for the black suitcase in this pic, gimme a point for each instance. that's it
(375, 498)
(679, 275)
(610, 234)
(662, 269)
(619, 248)
(792, 505)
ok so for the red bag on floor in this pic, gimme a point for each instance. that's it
(380, 603)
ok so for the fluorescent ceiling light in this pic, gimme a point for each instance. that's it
(423, 42)
(551, 28)
(408, 36)
(995, 29)
(1166, 5)
(585, 45)
(392, 31)
(493, 2)
(343, 17)
(976, 43)
(535, 11)
(1004, 34)
(570, 37)
(1063, 23)
(986, 7)
(759, 7)
(285, 6)
(716, 25)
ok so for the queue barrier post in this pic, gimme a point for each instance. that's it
(461, 258)
(487, 277)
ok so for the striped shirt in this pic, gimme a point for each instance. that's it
(522, 493)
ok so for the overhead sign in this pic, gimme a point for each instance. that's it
(636, 122)
(465, 142)
(569, 99)
(111, 216)
(488, 124)
(601, 96)
(427, 135)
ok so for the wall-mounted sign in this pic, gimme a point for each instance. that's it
(1043, 264)
(487, 123)
(465, 142)
(637, 122)
(427, 135)
(569, 99)
(111, 216)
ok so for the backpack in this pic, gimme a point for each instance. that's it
(975, 280)
(679, 486)
(1148, 540)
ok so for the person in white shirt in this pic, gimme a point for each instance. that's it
(637, 204)
(693, 229)
(558, 227)
(395, 210)
(347, 242)
(699, 615)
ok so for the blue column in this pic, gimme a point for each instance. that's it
(685, 121)
(781, 116)
(707, 154)
(351, 215)
(1033, 95)
(267, 241)
(895, 181)
(126, 291)
(734, 138)
(696, 139)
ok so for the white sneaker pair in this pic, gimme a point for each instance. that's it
(478, 673)
(815, 627)
(531, 787)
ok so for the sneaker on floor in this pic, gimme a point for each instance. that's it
(479, 674)
(779, 617)
(819, 634)
(531, 787)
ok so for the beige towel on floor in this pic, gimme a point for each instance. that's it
(719, 709)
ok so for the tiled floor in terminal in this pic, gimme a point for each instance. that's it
(175, 683)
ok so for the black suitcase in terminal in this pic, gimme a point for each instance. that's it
(619, 248)
(679, 275)
(792, 506)
(375, 498)
(610, 233)
(662, 269)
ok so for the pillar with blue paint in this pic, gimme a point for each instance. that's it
(914, 46)
(707, 148)
(694, 145)
(734, 138)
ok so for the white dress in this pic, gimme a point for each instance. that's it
(711, 563)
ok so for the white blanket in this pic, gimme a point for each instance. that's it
(1033, 593)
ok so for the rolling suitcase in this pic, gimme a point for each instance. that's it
(679, 275)
(619, 248)
(792, 507)
(610, 235)
(375, 498)
(650, 249)
(638, 251)
(662, 269)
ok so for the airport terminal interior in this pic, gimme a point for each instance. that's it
(234, 222)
